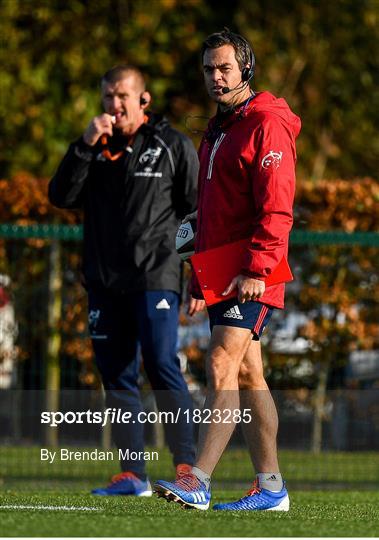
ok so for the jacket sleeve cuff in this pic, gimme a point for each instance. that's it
(194, 288)
(83, 150)
(250, 274)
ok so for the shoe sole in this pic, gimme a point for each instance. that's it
(165, 493)
(283, 506)
(142, 494)
(145, 494)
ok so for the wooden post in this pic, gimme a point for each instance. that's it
(319, 406)
(54, 310)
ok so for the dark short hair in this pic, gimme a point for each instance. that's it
(242, 49)
(117, 73)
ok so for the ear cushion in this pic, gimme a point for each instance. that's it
(246, 74)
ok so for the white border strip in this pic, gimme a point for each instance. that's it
(42, 507)
(213, 154)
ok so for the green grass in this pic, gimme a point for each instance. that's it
(311, 514)
(333, 494)
(355, 470)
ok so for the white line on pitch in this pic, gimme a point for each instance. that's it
(41, 507)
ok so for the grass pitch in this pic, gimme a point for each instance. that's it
(329, 497)
(312, 514)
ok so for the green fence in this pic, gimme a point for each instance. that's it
(44, 265)
(298, 237)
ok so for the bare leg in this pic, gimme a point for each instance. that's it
(226, 350)
(261, 432)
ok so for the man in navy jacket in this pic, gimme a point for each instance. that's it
(135, 178)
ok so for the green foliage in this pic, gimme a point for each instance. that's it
(321, 56)
(340, 283)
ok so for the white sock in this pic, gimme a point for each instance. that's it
(202, 476)
(271, 481)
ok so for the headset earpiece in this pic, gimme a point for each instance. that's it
(245, 74)
(248, 72)
(143, 101)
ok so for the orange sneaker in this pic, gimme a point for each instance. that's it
(126, 483)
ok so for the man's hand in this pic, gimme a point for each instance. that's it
(100, 125)
(190, 216)
(195, 305)
(248, 288)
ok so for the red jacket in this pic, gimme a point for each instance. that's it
(247, 186)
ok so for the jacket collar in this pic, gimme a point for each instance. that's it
(224, 119)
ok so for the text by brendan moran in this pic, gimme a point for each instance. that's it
(64, 454)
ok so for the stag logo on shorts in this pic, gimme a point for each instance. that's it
(272, 159)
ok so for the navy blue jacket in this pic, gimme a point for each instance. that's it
(132, 206)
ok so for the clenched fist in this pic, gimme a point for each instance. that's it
(100, 125)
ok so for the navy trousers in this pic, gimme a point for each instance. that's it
(122, 327)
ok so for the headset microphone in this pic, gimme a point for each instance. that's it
(226, 89)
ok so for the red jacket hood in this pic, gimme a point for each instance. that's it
(265, 101)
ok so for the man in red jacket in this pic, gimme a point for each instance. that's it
(246, 190)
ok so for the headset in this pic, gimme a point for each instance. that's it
(247, 73)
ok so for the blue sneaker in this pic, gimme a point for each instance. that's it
(126, 483)
(259, 499)
(187, 490)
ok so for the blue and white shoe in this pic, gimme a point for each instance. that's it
(187, 490)
(126, 483)
(259, 499)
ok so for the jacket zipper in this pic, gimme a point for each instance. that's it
(216, 146)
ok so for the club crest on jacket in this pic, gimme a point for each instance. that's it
(272, 159)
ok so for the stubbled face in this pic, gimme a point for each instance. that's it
(221, 70)
(122, 100)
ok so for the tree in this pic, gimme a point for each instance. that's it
(321, 56)
(340, 288)
(324, 58)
